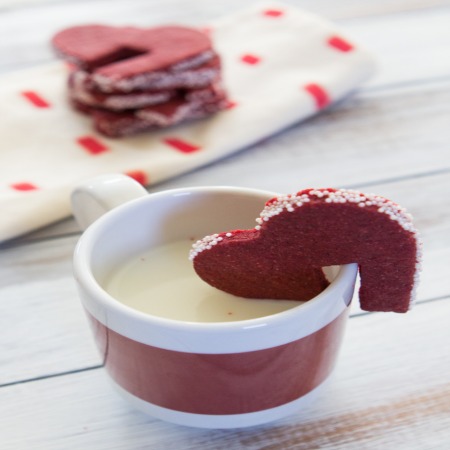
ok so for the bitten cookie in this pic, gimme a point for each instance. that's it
(124, 59)
(311, 229)
(184, 107)
(80, 92)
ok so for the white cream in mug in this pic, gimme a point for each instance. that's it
(162, 282)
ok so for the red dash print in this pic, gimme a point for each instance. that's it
(24, 186)
(273, 12)
(181, 146)
(319, 93)
(139, 176)
(36, 99)
(231, 104)
(250, 59)
(339, 44)
(92, 145)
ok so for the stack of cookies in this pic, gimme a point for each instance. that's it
(132, 80)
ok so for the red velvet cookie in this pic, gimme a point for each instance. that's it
(115, 101)
(312, 229)
(171, 78)
(82, 92)
(123, 59)
(186, 107)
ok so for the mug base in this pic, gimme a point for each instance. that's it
(220, 421)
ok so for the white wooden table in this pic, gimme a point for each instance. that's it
(391, 388)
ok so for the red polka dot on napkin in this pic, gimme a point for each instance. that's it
(250, 59)
(24, 186)
(139, 175)
(340, 44)
(36, 99)
(319, 94)
(92, 145)
(181, 145)
(273, 12)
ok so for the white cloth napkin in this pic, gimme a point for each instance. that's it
(280, 65)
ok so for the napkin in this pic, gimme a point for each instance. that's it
(280, 65)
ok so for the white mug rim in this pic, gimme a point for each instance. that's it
(85, 277)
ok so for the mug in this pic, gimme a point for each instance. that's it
(210, 375)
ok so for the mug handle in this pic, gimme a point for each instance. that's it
(96, 196)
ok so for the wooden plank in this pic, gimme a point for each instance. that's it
(403, 43)
(345, 9)
(44, 330)
(63, 228)
(382, 395)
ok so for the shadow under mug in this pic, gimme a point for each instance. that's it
(210, 375)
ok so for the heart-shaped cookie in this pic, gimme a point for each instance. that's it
(312, 229)
(185, 106)
(129, 58)
(79, 92)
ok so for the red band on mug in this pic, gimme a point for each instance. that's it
(219, 384)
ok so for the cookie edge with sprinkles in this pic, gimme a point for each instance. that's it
(291, 202)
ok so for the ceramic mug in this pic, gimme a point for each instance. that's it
(211, 375)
